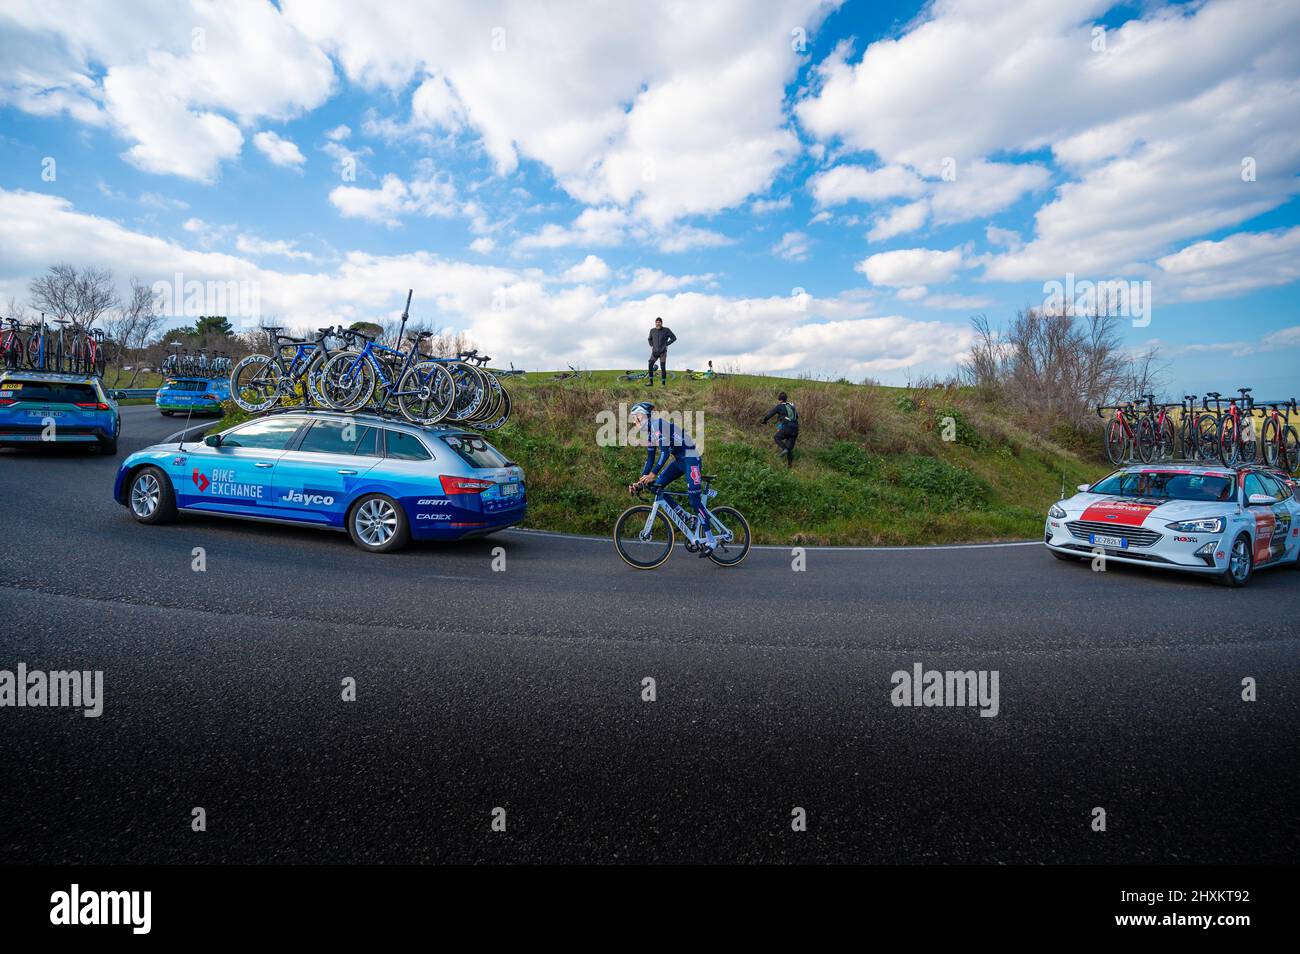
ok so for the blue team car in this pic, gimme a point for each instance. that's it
(192, 395)
(382, 480)
(39, 407)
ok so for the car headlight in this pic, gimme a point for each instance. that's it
(1204, 525)
(1055, 511)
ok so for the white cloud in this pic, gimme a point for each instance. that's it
(793, 247)
(483, 245)
(899, 221)
(911, 266)
(911, 293)
(501, 309)
(281, 151)
(175, 80)
(252, 245)
(647, 281)
(765, 206)
(590, 269)
(428, 194)
(339, 133)
(610, 225)
(849, 183)
(1232, 266)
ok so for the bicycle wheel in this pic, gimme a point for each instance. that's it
(642, 540)
(255, 383)
(1269, 441)
(1146, 439)
(1207, 437)
(1228, 434)
(469, 391)
(1115, 442)
(347, 381)
(1291, 451)
(425, 393)
(1166, 442)
(732, 530)
(502, 416)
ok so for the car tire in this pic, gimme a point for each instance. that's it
(166, 413)
(108, 448)
(150, 497)
(1239, 577)
(377, 524)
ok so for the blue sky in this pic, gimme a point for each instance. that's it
(794, 186)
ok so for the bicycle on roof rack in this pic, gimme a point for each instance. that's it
(1278, 439)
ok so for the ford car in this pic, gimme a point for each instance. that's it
(382, 480)
(1216, 521)
(192, 396)
(54, 407)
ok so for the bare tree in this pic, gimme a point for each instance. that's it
(1050, 367)
(134, 323)
(81, 296)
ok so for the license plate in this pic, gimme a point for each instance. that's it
(509, 490)
(1119, 543)
(44, 413)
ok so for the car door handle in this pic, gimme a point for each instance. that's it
(347, 471)
(262, 463)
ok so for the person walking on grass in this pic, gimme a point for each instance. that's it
(659, 340)
(787, 427)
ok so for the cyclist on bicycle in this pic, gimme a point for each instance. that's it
(787, 426)
(670, 453)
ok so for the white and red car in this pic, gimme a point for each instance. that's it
(1222, 521)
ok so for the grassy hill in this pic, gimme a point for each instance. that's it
(872, 466)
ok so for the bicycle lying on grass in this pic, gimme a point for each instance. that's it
(644, 534)
(642, 375)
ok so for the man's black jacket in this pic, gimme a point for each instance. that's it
(661, 338)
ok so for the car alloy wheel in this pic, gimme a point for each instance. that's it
(1239, 563)
(376, 522)
(144, 495)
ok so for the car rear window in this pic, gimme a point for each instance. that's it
(1163, 485)
(475, 451)
(403, 446)
(48, 392)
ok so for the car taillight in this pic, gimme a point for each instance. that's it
(465, 485)
(209, 397)
(93, 405)
(5, 402)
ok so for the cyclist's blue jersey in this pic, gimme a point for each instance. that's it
(665, 439)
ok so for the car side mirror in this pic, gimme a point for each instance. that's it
(213, 440)
(1084, 488)
(1261, 500)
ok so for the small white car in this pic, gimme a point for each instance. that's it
(1225, 522)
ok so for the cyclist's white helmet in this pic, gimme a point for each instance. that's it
(643, 407)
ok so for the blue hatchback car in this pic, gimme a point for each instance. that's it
(55, 407)
(383, 480)
(192, 395)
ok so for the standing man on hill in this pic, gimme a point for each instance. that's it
(660, 338)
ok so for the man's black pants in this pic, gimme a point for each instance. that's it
(662, 358)
(785, 439)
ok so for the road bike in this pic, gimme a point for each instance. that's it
(644, 534)
(1127, 431)
(643, 375)
(571, 374)
(291, 372)
(1156, 429)
(1236, 433)
(1187, 440)
(1278, 439)
(13, 346)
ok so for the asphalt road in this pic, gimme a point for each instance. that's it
(522, 689)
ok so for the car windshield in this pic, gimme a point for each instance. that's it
(475, 451)
(186, 385)
(1166, 485)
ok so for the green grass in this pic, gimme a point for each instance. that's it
(872, 465)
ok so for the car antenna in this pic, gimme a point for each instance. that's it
(189, 414)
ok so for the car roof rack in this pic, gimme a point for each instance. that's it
(388, 417)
